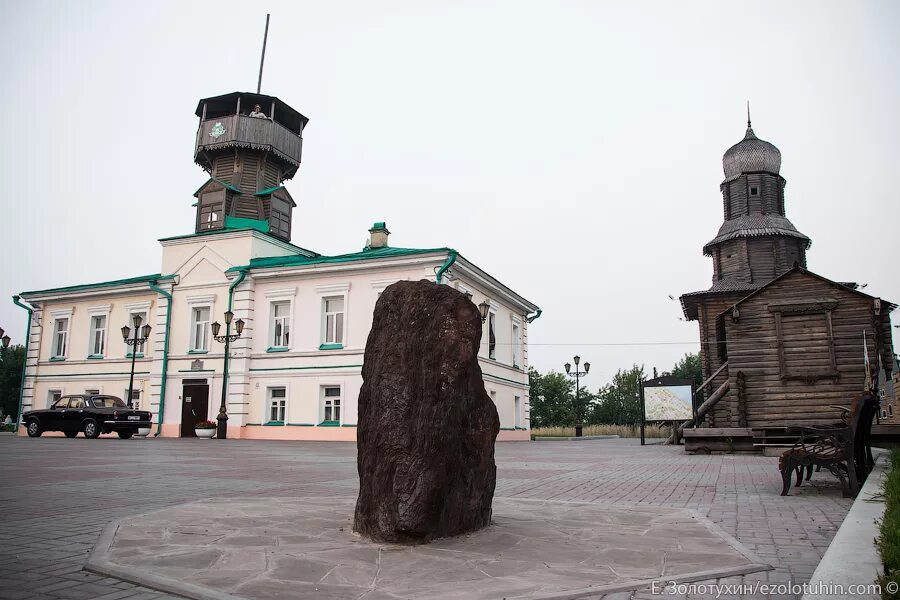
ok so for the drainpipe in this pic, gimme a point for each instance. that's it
(451, 258)
(24, 362)
(242, 273)
(534, 316)
(165, 356)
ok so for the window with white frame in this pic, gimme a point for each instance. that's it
(277, 404)
(60, 337)
(92, 391)
(140, 347)
(53, 396)
(333, 319)
(281, 324)
(331, 404)
(98, 335)
(200, 328)
(135, 398)
(492, 338)
(517, 406)
(516, 348)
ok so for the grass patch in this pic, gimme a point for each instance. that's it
(889, 540)
(625, 431)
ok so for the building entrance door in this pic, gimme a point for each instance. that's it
(194, 405)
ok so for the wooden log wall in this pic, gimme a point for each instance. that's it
(737, 199)
(710, 358)
(817, 361)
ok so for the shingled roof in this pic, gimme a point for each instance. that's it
(755, 226)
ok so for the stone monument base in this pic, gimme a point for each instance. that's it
(303, 547)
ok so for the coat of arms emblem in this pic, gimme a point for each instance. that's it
(217, 131)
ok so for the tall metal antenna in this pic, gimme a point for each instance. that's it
(748, 102)
(262, 59)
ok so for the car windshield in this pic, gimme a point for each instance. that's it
(107, 402)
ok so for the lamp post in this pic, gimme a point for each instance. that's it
(577, 375)
(135, 342)
(222, 418)
(4, 339)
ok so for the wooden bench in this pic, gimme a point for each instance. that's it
(843, 448)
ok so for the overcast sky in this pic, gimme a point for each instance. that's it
(572, 149)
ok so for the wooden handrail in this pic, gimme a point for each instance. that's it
(704, 408)
(713, 376)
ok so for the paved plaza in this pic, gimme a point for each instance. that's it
(57, 496)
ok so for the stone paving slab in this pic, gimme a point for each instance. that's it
(283, 548)
(56, 496)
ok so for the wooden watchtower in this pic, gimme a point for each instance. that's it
(780, 345)
(250, 144)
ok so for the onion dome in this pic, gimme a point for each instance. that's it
(751, 154)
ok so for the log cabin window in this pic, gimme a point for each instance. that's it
(805, 339)
(721, 345)
(754, 190)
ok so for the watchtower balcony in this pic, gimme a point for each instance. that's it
(226, 122)
(243, 131)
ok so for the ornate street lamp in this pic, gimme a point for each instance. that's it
(222, 418)
(135, 343)
(483, 309)
(577, 375)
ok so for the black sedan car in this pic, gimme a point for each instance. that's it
(91, 414)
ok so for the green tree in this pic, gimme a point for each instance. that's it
(11, 361)
(551, 399)
(619, 402)
(689, 367)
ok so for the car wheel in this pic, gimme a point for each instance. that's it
(125, 434)
(91, 429)
(71, 434)
(34, 428)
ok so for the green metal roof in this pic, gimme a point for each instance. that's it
(102, 284)
(268, 191)
(298, 261)
(239, 223)
(220, 182)
(303, 251)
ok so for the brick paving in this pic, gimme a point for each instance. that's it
(56, 495)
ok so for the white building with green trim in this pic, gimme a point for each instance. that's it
(295, 371)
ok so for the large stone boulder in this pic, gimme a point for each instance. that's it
(426, 427)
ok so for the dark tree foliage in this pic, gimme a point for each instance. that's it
(688, 367)
(11, 361)
(551, 399)
(619, 402)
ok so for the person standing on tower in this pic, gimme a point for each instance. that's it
(257, 113)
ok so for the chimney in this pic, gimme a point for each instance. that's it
(378, 235)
